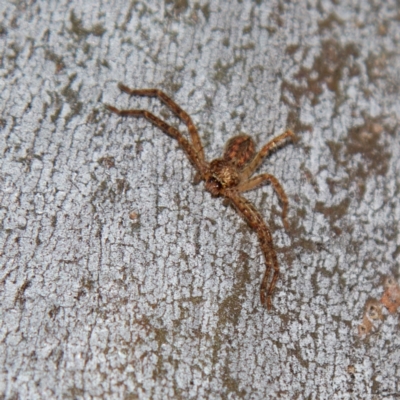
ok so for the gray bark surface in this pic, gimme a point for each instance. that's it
(119, 277)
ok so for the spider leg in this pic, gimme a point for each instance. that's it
(257, 160)
(258, 181)
(169, 130)
(183, 115)
(256, 222)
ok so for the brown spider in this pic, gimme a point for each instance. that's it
(227, 176)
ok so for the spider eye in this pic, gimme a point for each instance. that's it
(213, 186)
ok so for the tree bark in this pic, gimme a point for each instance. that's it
(120, 278)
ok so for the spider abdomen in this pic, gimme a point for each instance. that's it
(239, 150)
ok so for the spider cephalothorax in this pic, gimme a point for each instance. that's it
(227, 176)
(225, 171)
(223, 175)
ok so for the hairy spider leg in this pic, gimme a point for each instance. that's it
(168, 129)
(257, 160)
(256, 222)
(183, 115)
(258, 181)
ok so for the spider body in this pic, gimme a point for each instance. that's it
(223, 175)
(227, 176)
(240, 150)
(225, 171)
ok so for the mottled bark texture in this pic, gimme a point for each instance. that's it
(119, 277)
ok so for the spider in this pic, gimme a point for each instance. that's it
(227, 176)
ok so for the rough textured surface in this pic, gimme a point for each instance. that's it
(121, 279)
